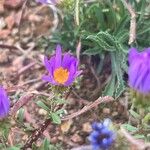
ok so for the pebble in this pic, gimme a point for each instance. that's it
(2, 23)
(106, 111)
(42, 112)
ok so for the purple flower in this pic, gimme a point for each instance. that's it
(4, 103)
(62, 69)
(139, 70)
(47, 1)
(101, 137)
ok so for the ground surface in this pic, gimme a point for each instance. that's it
(22, 23)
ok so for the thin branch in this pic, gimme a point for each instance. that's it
(86, 108)
(132, 33)
(21, 16)
(137, 143)
(22, 70)
(21, 102)
(10, 47)
(36, 135)
(77, 13)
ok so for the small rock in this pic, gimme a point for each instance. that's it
(10, 41)
(86, 127)
(25, 40)
(10, 21)
(114, 114)
(13, 3)
(106, 111)
(4, 33)
(65, 126)
(2, 23)
(42, 112)
(76, 138)
(14, 31)
(4, 57)
(2, 6)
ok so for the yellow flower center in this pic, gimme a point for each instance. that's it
(61, 75)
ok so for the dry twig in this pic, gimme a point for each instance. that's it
(137, 143)
(21, 102)
(86, 108)
(132, 34)
(36, 135)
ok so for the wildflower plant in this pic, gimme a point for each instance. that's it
(62, 72)
(139, 82)
(102, 137)
(4, 111)
(139, 70)
(139, 75)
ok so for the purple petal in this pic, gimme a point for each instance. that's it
(78, 73)
(145, 86)
(58, 56)
(134, 73)
(68, 60)
(72, 72)
(49, 79)
(143, 72)
(49, 64)
(4, 103)
(47, 1)
(132, 54)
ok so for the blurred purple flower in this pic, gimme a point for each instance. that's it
(139, 70)
(4, 103)
(62, 70)
(102, 136)
(47, 1)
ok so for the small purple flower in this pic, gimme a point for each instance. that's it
(101, 137)
(47, 1)
(4, 103)
(139, 70)
(62, 69)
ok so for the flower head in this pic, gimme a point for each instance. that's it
(4, 103)
(47, 1)
(101, 137)
(62, 69)
(139, 70)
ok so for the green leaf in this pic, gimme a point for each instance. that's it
(45, 145)
(134, 114)
(55, 118)
(5, 128)
(110, 87)
(116, 70)
(107, 37)
(142, 4)
(21, 114)
(139, 136)
(92, 51)
(60, 101)
(13, 148)
(120, 88)
(102, 44)
(60, 111)
(42, 105)
(122, 36)
(130, 128)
